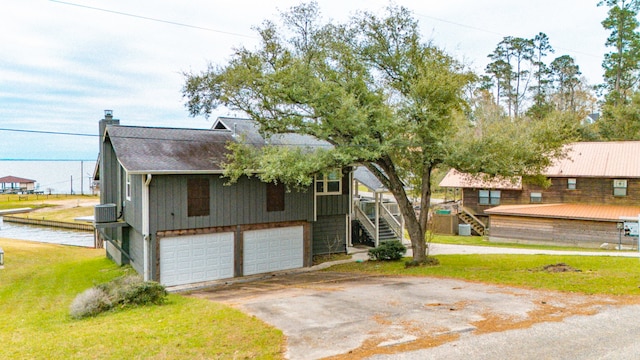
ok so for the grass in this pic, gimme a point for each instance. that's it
(64, 215)
(34, 201)
(599, 274)
(39, 282)
(480, 241)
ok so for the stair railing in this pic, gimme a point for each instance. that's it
(391, 220)
(366, 223)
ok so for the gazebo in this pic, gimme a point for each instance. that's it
(15, 185)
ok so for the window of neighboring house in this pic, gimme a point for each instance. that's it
(489, 197)
(329, 183)
(619, 187)
(198, 197)
(275, 197)
(571, 184)
(128, 186)
(536, 197)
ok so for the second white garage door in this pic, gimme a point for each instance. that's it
(196, 258)
(273, 249)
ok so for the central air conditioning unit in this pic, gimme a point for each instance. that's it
(105, 213)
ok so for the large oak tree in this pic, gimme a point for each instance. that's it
(379, 94)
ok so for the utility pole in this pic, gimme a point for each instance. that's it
(81, 177)
(71, 190)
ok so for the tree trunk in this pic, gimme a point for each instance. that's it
(416, 228)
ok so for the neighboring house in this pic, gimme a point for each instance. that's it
(14, 185)
(590, 119)
(591, 192)
(166, 210)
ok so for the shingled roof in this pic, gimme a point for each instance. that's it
(156, 150)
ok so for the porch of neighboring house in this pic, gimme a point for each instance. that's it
(376, 216)
(452, 218)
(16, 185)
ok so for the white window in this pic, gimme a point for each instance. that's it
(571, 184)
(489, 197)
(536, 197)
(329, 183)
(619, 187)
(128, 186)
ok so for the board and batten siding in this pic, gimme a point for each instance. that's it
(240, 204)
(583, 233)
(335, 204)
(329, 234)
(136, 249)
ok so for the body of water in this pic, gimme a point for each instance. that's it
(46, 234)
(56, 177)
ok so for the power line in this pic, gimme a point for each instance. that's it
(56, 160)
(497, 33)
(48, 132)
(153, 19)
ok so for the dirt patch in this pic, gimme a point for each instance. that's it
(557, 268)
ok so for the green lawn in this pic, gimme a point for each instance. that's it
(39, 282)
(480, 241)
(598, 274)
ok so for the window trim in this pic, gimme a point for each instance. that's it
(492, 198)
(324, 181)
(621, 186)
(127, 186)
(535, 197)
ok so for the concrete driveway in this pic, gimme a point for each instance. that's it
(347, 316)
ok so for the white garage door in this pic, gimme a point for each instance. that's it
(196, 258)
(273, 249)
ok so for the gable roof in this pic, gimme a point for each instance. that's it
(14, 179)
(156, 150)
(611, 159)
(456, 179)
(168, 150)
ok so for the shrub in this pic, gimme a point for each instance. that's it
(89, 303)
(388, 251)
(125, 291)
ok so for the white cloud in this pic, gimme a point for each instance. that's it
(63, 64)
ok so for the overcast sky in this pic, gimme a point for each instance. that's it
(63, 63)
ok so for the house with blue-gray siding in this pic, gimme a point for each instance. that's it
(166, 209)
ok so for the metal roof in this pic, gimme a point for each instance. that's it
(158, 150)
(456, 179)
(567, 211)
(366, 178)
(14, 179)
(599, 159)
(612, 159)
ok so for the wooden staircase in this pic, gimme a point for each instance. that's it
(467, 217)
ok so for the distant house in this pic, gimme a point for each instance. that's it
(165, 208)
(16, 185)
(590, 119)
(591, 192)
